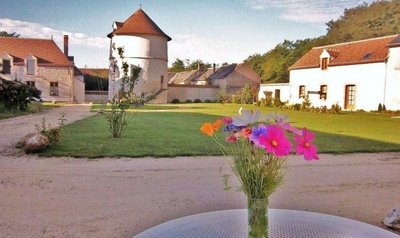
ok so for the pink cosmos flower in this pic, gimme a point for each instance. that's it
(231, 138)
(227, 120)
(275, 141)
(246, 132)
(305, 146)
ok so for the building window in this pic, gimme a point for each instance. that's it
(53, 88)
(324, 63)
(30, 67)
(302, 91)
(31, 83)
(6, 66)
(350, 96)
(162, 80)
(323, 91)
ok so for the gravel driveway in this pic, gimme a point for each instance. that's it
(12, 129)
(64, 197)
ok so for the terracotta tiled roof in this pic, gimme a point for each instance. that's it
(357, 52)
(138, 23)
(46, 51)
(102, 73)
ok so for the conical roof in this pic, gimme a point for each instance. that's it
(139, 23)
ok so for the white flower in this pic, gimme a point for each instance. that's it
(246, 117)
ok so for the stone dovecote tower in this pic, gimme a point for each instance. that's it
(145, 45)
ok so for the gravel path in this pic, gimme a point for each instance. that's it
(12, 129)
(64, 197)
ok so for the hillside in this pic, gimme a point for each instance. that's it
(379, 18)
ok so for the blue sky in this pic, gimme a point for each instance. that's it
(212, 30)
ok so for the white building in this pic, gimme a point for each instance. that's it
(356, 75)
(40, 63)
(145, 45)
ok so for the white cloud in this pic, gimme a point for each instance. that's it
(306, 11)
(209, 50)
(35, 30)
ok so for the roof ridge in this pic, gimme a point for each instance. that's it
(354, 42)
(25, 38)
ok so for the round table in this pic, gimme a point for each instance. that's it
(282, 224)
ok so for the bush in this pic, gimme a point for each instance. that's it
(188, 101)
(236, 99)
(296, 106)
(175, 101)
(306, 104)
(197, 100)
(268, 99)
(15, 95)
(207, 101)
(380, 107)
(335, 109)
(53, 134)
(222, 98)
(246, 96)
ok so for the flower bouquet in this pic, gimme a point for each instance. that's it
(258, 146)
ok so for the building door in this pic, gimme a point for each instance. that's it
(278, 95)
(350, 96)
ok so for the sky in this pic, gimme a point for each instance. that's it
(215, 31)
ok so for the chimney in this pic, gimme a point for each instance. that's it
(66, 45)
(213, 67)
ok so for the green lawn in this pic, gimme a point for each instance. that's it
(173, 130)
(33, 107)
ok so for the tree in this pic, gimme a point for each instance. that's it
(15, 95)
(195, 64)
(177, 66)
(246, 95)
(6, 34)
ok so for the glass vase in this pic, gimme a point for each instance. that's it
(257, 217)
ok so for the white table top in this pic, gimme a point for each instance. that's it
(282, 224)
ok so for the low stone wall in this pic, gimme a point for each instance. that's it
(96, 96)
(184, 92)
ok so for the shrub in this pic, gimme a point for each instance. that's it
(222, 97)
(246, 96)
(306, 104)
(335, 108)
(188, 101)
(207, 101)
(53, 134)
(268, 98)
(15, 95)
(296, 106)
(236, 99)
(175, 101)
(197, 100)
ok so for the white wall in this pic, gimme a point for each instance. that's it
(192, 92)
(79, 89)
(283, 87)
(150, 53)
(368, 78)
(392, 93)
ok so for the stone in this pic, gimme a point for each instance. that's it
(392, 219)
(34, 142)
